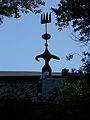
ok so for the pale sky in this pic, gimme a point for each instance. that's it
(21, 41)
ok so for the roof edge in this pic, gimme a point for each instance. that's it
(25, 73)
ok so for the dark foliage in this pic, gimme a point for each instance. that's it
(65, 110)
(85, 58)
(76, 13)
(71, 100)
(12, 8)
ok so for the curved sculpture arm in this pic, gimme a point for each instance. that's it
(39, 56)
(55, 57)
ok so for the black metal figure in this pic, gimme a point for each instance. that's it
(46, 55)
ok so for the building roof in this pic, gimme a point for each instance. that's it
(25, 73)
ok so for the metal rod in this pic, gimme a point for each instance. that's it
(46, 27)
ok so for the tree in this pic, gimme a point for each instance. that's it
(13, 8)
(85, 58)
(65, 72)
(86, 66)
(70, 99)
(75, 13)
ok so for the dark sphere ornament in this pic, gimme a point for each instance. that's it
(46, 44)
(46, 36)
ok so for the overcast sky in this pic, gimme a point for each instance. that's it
(21, 41)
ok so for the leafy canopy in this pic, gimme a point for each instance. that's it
(77, 13)
(13, 8)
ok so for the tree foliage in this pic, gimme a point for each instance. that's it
(13, 8)
(76, 13)
(69, 91)
(72, 99)
(85, 58)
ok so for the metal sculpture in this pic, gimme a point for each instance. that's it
(46, 55)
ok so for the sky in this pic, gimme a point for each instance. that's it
(21, 42)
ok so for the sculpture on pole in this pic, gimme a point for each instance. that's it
(46, 55)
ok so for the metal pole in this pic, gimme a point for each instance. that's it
(46, 27)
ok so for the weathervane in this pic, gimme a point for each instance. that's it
(46, 55)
